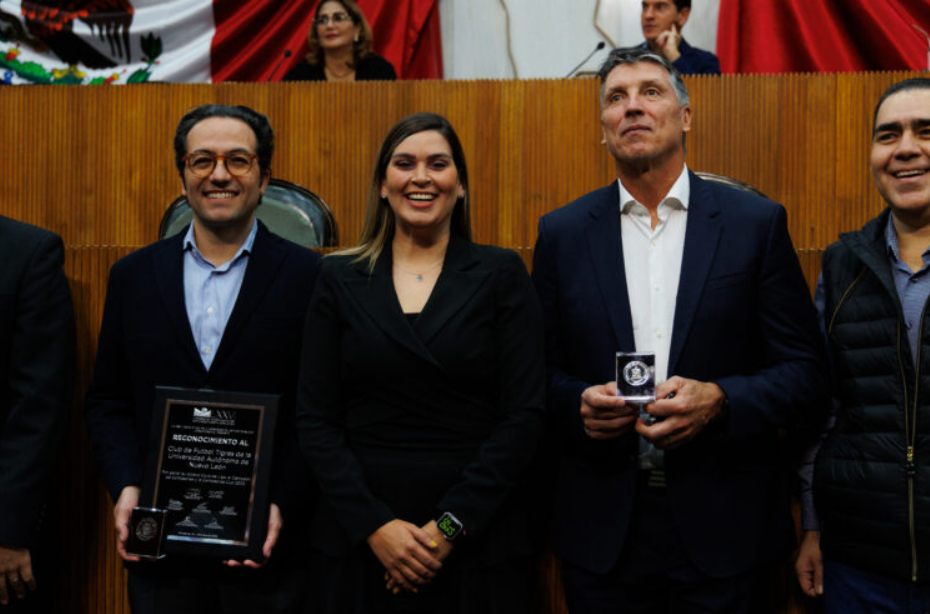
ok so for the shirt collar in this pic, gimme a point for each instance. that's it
(190, 244)
(891, 240)
(678, 196)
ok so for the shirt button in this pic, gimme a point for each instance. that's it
(653, 242)
(207, 350)
(656, 288)
(658, 335)
(910, 325)
(210, 310)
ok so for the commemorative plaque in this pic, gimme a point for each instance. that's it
(208, 469)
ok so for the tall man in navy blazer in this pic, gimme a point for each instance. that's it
(687, 514)
(219, 306)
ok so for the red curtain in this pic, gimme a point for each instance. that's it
(775, 36)
(252, 37)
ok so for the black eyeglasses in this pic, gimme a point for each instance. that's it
(202, 163)
(336, 18)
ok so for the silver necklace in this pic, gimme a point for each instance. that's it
(419, 275)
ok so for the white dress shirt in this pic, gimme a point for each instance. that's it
(652, 261)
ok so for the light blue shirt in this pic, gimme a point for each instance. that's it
(210, 292)
(913, 288)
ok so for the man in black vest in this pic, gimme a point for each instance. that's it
(871, 480)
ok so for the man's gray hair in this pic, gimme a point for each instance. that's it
(635, 55)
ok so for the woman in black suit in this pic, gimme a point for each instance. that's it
(340, 47)
(421, 399)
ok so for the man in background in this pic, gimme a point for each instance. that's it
(37, 357)
(662, 22)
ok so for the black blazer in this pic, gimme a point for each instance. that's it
(372, 68)
(37, 356)
(743, 319)
(146, 341)
(407, 421)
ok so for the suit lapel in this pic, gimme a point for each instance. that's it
(605, 249)
(454, 288)
(169, 277)
(261, 271)
(378, 299)
(702, 234)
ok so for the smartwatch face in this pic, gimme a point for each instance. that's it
(449, 526)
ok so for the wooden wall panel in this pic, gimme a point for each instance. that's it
(93, 580)
(96, 165)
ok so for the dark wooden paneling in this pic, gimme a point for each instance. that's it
(96, 164)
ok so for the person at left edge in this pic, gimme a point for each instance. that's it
(37, 365)
(219, 306)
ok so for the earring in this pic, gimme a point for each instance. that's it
(356, 38)
(383, 194)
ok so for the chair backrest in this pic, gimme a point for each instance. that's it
(733, 183)
(289, 210)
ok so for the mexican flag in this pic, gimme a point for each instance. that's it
(97, 42)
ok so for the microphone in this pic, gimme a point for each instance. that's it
(287, 54)
(600, 46)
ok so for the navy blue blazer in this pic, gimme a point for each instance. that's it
(693, 61)
(146, 341)
(743, 319)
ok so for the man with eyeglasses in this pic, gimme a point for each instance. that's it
(219, 306)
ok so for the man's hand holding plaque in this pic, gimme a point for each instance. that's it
(122, 513)
(275, 524)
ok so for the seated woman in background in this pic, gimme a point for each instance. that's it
(422, 386)
(340, 47)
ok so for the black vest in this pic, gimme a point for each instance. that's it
(872, 496)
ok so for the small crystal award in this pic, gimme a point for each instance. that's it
(147, 533)
(636, 376)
